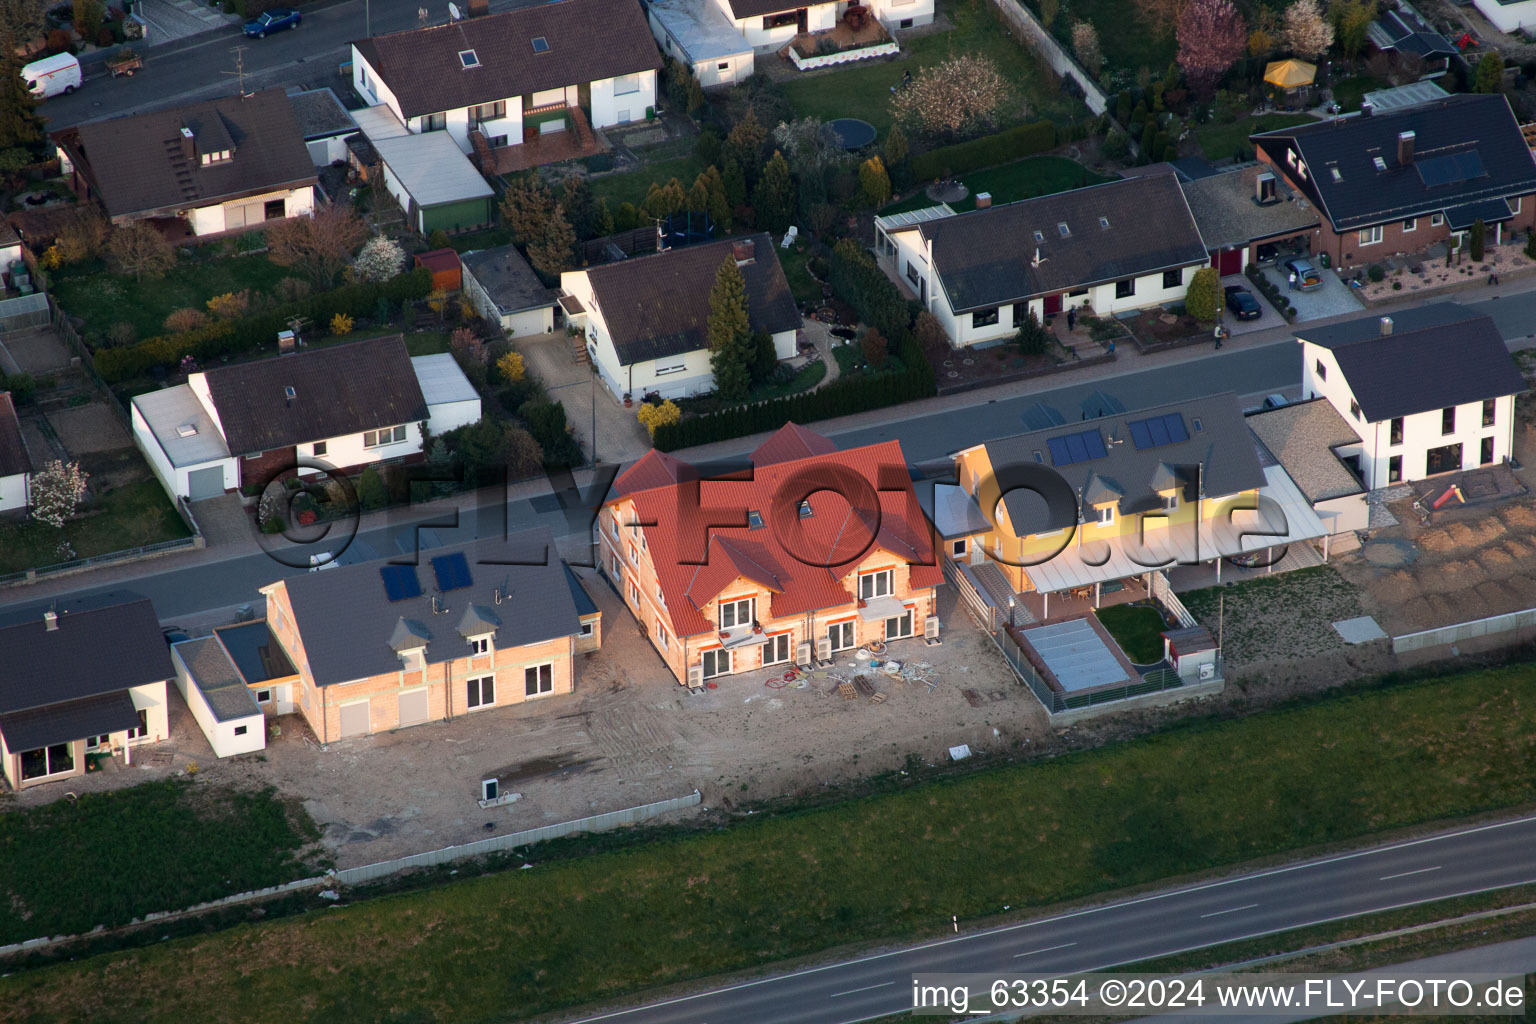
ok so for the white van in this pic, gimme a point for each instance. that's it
(52, 76)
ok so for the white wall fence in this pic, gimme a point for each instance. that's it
(826, 60)
(383, 869)
(1163, 591)
(1464, 631)
(1035, 35)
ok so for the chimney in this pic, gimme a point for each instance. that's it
(1386, 325)
(1367, 108)
(50, 620)
(1264, 191)
(1405, 142)
(983, 200)
(188, 144)
(744, 252)
(287, 343)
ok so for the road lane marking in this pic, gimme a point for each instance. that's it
(866, 988)
(1047, 949)
(1405, 874)
(1231, 910)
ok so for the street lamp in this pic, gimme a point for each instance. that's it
(1010, 610)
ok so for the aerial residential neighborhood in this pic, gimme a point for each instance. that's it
(667, 511)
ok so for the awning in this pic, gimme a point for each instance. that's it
(1489, 211)
(877, 608)
(951, 509)
(69, 721)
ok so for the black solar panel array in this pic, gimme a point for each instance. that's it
(1079, 447)
(400, 582)
(1158, 431)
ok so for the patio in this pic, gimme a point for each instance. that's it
(840, 38)
(1334, 298)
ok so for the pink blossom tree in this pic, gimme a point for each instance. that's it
(1212, 36)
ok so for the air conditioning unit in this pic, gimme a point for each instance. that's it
(802, 655)
(1208, 671)
(695, 676)
(931, 628)
(489, 789)
(824, 648)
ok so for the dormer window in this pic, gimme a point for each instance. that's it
(805, 508)
(469, 59)
(217, 156)
(479, 645)
(540, 44)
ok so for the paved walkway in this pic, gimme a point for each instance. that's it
(551, 358)
(178, 19)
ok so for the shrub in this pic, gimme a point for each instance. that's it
(1376, 272)
(511, 367)
(121, 333)
(185, 319)
(438, 239)
(990, 150)
(57, 490)
(546, 422)
(1202, 300)
(230, 305)
(22, 386)
(654, 416)
(341, 324)
(379, 259)
(371, 493)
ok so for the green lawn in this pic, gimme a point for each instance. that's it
(883, 868)
(103, 298)
(1351, 91)
(631, 186)
(1219, 141)
(109, 857)
(806, 378)
(128, 517)
(863, 89)
(1129, 40)
(802, 285)
(1022, 179)
(1137, 629)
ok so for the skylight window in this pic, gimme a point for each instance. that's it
(1381, 164)
(805, 508)
(1103, 222)
(469, 59)
(1063, 229)
(1336, 175)
(754, 520)
(540, 44)
(186, 430)
(1039, 236)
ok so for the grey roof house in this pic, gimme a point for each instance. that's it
(79, 677)
(506, 291)
(324, 122)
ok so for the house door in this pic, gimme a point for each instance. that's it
(841, 635)
(205, 483)
(354, 719)
(1052, 304)
(413, 707)
(1446, 459)
(1230, 261)
(802, 20)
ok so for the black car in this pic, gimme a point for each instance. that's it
(1242, 303)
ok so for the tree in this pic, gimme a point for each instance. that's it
(698, 195)
(185, 319)
(735, 182)
(875, 348)
(138, 249)
(81, 236)
(22, 22)
(1351, 19)
(730, 332)
(1490, 73)
(1306, 33)
(1475, 239)
(1159, 14)
(580, 206)
(745, 142)
(21, 127)
(379, 259)
(806, 144)
(896, 148)
(957, 97)
(719, 204)
(1048, 11)
(88, 17)
(554, 250)
(665, 200)
(1202, 299)
(230, 305)
(929, 332)
(526, 206)
(317, 246)
(57, 490)
(1032, 339)
(1212, 36)
(654, 416)
(774, 199)
(874, 183)
(1085, 43)
(764, 359)
(511, 367)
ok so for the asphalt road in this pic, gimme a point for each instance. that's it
(1312, 892)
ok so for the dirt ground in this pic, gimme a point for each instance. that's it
(38, 351)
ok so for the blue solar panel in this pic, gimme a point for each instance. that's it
(452, 571)
(400, 582)
(1447, 170)
(1157, 431)
(1080, 447)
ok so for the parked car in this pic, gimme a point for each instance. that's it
(1242, 303)
(1307, 277)
(1267, 255)
(275, 20)
(1275, 401)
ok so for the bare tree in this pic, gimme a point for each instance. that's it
(1307, 33)
(1085, 43)
(1158, 15)
(140, 250)
(318, 246)
(957, 97)
(1212, 36)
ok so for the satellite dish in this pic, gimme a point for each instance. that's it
(453, 13)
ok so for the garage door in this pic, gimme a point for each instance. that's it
(413, 707)
(205, 483)
(354, 719)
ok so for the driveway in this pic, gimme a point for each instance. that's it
(1334, 298)
(551, 358)
(1270, 317)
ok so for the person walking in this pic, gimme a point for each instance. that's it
(1071, 319)
(1292, 280)
(1221, 335)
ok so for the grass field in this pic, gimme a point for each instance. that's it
(103, 298)
(1137, 629)
(67, 867)
(631, 186)
(883, 867)
(1022, 179)
(1220, 141)
(1351, 91)
(129, 516)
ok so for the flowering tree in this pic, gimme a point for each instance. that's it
(1212, 36)
(1085, 43)
(957, 97)
(1307, 33)
(57, 490)
(654, 416)
(379, 260)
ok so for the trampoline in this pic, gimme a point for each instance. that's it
(851, 133)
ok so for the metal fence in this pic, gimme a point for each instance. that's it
(30, 575)
(1162, 590)
(1156, 681)
(1464, 631)
(971, 596)
(20, 313)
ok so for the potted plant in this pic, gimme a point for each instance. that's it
(757, 627)
(629, 400)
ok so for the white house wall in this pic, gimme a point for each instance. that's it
(715, 72)
(529, 321)
(1344, 515)
(446, 416)
(151, 699)
(221, 735)
(175, 478)
(13, 492)
(347, 450)
(609, 109)
(818, 18)
(894, 12)
(210, 220)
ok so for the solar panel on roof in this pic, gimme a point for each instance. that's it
(1156, 431)
(452, 571)
(400, 582)
(1450, 169)
(1080, 447)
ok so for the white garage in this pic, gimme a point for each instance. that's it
(220, 700)
(452, 400)
(182, 444)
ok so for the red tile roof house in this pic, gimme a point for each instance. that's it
(220, 165)
(542, 77)
(799, 573)
(77, 677)
(381, 646)
(15, 461)
(348, 406)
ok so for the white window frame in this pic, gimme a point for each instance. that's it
(677, 367)
(847, 629)
(140, 731)
(480, 684)
(634, 592)
(1436, 220)
(909, 616)
(479, 645)
(620, 81)
(732, 610)
(269, 695)
(662, 640)
(586, 629)
(870, 584)
(772, 655)
(1171, 502)
(542, 679)
(1104, 516)
(48, 773)
(1371, 235)
(383, 437)
(1410, 225)
(712, 657)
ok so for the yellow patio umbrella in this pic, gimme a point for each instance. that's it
(1290, 74)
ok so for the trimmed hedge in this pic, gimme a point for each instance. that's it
(226, 339)
(987, 151)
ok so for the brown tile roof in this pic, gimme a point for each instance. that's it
(758, 8)
(13, 448)
(344, 389)
(657, 306)
(588, 40)
(791, 441)
(138, 165)
(696, 558)
(1302, 437)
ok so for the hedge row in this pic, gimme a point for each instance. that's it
(840, 398)
(988, 151)
(226, 339)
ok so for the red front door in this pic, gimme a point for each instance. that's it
(1052, 304)
(1231, 262)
